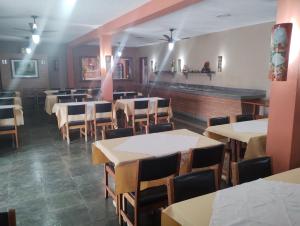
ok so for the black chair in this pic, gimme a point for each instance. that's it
(8, 101)
(103, 116)
(8, 218)
(218, 121)
(80, 91)
(130, 95)
(162, 127)
(9, 113)
(109, 168)
(64, 99)
(162, 110)
(249, 170)
(140, 112)
(191, 185)
(209, 157)
(150, 198)
(67, 92)
(117, 96)
(7, 94)
(61, 92)
(78, 112)
(242, 118)
(79, 98)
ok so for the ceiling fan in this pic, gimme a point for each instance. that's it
(33, 29)
(170, 39)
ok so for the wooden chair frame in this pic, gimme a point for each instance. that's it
(13, 132)
(103, 124)
(11, 217)
(134, 201)
(142, 120)
(66, 134)
(157, 118)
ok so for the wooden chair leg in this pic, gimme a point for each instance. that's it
(105, 181)
(17, 139)
(95, 131)
(68, 135)
(85, 132)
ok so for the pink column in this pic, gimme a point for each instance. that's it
(106, 75)
(283, 141)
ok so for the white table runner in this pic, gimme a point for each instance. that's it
(258, 203)
(158, 144)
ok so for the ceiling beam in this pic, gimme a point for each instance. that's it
(149, 11)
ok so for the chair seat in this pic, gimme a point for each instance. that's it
(152, 195)
(140, 116)
(76, 123)
(103, 120)
(162, 114)
(6, 128)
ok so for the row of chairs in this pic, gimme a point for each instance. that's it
(7, 94)
(215, 121)
(73, 98)
(9, 114)
(125, 95)
(8, 101)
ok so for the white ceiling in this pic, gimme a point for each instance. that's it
(200, 19)
(69, 22)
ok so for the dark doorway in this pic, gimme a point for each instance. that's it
(144, 71)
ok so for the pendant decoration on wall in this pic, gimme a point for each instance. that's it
(280, 47)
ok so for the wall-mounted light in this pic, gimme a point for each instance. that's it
(4, 61)
(220, 63)
(171, 46)
(43, 61)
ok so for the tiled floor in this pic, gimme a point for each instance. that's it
(50, 183)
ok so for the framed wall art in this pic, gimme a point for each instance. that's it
(90, 68)
(24, 68)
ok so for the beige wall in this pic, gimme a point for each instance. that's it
(245, 53)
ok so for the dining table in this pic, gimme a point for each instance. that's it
(274, 200)
(60, 110)
(18, 113)
(124, 153)
(253, 133)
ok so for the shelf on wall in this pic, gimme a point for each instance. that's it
(209, 74)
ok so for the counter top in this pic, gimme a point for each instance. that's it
(215, 91)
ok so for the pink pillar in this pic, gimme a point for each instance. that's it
(106, 75)
(283, 141)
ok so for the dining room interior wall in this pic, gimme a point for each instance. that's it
(245, 53)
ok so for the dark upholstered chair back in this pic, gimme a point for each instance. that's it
(219, 121)
(76, 109)
(9, 101)
(192, 185)
(62, 92)
(163, 103)
(6, 113)
(141, 104)
(79, 98)
(102, 108)
(8, 218)
(253, 169)
(65, 99)
(242, 118)
(163, 127)
(117, 133)
(204, 157)
(131, 95)
(160, 167)
(117, 96)
(80, 91)
(7, 94)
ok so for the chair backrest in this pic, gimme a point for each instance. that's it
(79, 98)
(61, 92)
(76, 109)
(80, 91)
(6, 113)
(64, 99)
(163, 103)
(118, 133)
(8, 218)
(7, 94)
(103, 108)
(218, 121)
(9, 101)
(191, 185)
(68, 91)
(131, 94)
(117, 96)
(141, 104)
(158, 168)
(253, 169)
(242, 118)
(162, 127)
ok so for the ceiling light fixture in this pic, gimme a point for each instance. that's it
(171, 46)
(28, 50)
(36, 38)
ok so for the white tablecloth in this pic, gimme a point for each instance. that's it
(259, 203)
(19, 115)
(60, 110)
(17, 100)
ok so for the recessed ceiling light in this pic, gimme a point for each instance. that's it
(223, 15)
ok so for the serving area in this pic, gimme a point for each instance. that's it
(149, 113)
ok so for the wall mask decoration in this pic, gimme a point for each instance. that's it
(280, 47)
(90, 68)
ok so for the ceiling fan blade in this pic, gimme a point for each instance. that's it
(167, 37)
(22, 29)
(185, 38)
(163, 39)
